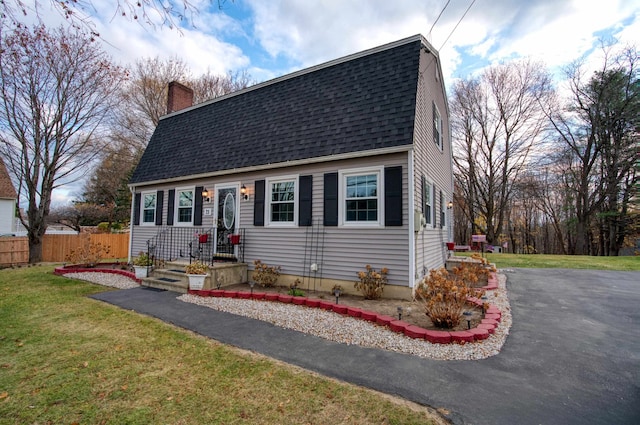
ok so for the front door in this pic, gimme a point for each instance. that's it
(226, 220)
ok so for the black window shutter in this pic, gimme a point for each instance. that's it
(197, 207)
(258, 204)
(423, 187)
(433, 206)
(159, 201)
(171, 204)
(331, 199)
(393, 196)
(305, 205)
(136, 209)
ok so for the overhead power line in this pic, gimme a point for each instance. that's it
(438, 18)
(454, 28)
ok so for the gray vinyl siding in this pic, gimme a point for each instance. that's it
(346, 250)
(433, 163)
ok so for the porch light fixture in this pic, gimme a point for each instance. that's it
(243, 192)
(206, 196)
(449, 205)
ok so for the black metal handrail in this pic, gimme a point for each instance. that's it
(205, 244)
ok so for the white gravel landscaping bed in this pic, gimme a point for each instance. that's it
(107, 279)
(349, 330)
(337, 327)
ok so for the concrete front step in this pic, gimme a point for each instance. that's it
(173, 278)
(166, 283)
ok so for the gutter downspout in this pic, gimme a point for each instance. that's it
(411, 213)
(132, 189)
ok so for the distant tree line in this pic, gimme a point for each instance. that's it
(541, 169)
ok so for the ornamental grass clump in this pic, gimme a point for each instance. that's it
(264, 275)
(444, 295)
(372, 282)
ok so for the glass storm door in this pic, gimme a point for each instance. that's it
(226, 219)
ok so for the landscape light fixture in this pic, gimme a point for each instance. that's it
(337, 293)
(399, 313)
(252, 284)
(468, 314)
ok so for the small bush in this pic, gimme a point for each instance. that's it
(444, 295)
(264, 275)
(296, 292)
(293, 289)
(372, 282)
(196, 267)
(142, 260)
(90, 254)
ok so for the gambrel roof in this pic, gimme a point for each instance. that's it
(359, 103)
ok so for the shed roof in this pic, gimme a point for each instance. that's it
(359, 103)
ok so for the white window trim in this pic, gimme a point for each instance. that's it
(431, 219)
(443, 210)
(342, 183)
(176, 212)
(142, 208)
(440, 124)
(296, 200)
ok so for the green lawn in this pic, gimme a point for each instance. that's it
(65, 359)
(563, 261)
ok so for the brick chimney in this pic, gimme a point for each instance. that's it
(180, 97)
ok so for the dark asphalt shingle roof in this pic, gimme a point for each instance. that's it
(351, 106)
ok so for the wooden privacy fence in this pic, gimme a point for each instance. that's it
(55, 248)
(14, 250)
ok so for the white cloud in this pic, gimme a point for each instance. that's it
(270, 38)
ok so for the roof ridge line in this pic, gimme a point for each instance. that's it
(328, 64)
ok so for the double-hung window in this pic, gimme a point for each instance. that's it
(149, 208)
(437, 127)
(184, 206)
(282, 199)
(361, 197)
(428, 205)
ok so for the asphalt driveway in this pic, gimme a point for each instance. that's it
(572, 356)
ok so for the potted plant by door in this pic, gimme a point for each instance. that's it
(197, 273)
(141, 264)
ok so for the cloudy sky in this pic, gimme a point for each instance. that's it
(270, 38)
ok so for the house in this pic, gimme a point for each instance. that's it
(321, 172)
(8, 197)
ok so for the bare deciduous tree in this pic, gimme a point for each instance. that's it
(144, 97)
(599, 129)
(56, 92)
(209, 86)
(496, 121)
(144, 100)
(168, 13)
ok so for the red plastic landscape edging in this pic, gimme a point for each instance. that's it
(61, 271)
(481, 332)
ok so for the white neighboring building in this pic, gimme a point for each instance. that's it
(8, 198)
